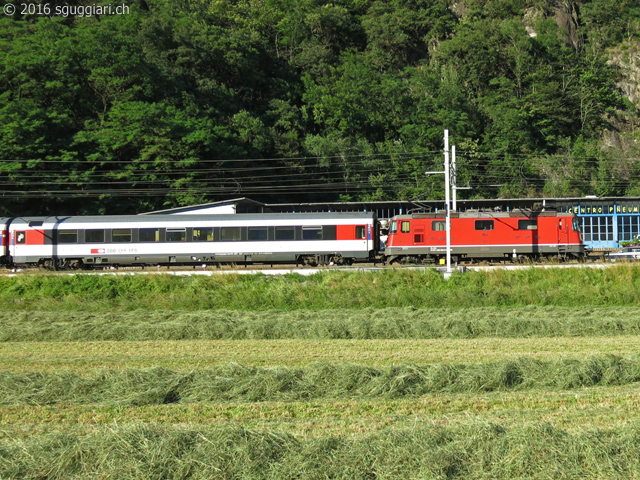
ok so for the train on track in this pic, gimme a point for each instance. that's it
(344, 238)
(477, 235)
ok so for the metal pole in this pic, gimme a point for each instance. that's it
(447, 194)
(454, 183)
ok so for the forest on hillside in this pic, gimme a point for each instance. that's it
(179, 102)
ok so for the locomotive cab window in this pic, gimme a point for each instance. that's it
(285, 233)
(149, 235)
(121, 235)
(67, 236)
(405, 227)
(94, 236)
(203, 234)
(312, 233)
(361, 232)
(527, 224)
(394, 227)
(484, 224)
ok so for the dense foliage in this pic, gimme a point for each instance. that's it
(180, 102)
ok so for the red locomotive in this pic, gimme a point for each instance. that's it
(515, 235)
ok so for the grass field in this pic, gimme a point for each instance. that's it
(177, 382)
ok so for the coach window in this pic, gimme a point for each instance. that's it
(21, 238)
(257, 233)
(484, 224)
(203, 234)
(438, 226)
(149, 235)
(285, 233)
(94, 236)
(230, 234)
(176, 234)
(312, 233)
(405, 227)
(527, 224)
(361, 232)
(67, 236)
(121, 235)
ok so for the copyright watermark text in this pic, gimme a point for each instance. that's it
(49, 10)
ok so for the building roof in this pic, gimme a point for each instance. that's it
(234, 205)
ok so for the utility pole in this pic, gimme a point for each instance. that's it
(454, 183)
(447, 201)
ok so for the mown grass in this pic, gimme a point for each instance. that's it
(396, 375)
(572, 410)
(366, 323)
(570, 287)
(237, 382)
(474, 450)
(187, 355)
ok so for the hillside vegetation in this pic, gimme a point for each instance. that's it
(175, 103)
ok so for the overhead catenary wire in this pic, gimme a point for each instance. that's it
(344, 173)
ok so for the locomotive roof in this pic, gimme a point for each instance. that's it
(489, 214)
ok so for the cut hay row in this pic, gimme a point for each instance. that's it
(474, 450)
(571, 410)
(237, 382)
(187, 355)
(368, 323)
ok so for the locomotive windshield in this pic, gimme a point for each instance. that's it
(394, 227)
